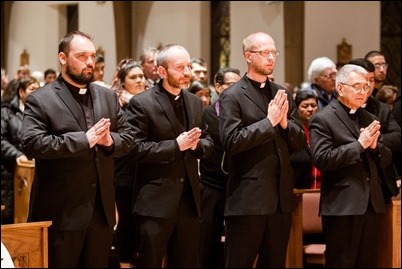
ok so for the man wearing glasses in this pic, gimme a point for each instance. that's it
(347, 149)
(381, 68)
(257, 132)
(321, 73)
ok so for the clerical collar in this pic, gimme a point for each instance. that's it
(257, 84)
(173, 97)
(364, 105)
(75, 89)
(348, 110)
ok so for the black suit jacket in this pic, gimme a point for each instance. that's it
(255, 187)
(67, 171)
(347, 186)
(162, 167)
(391, 137)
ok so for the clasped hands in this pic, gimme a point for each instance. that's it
(278, 109)
(189, 139)
(368, 136)
(99, 134)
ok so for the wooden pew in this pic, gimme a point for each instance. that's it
(294, 257)
(23, 178)
(27, 243)
(390, 236)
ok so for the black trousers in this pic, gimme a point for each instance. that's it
(265, 235)
(177, 237)
(89, 248)
(351, 241)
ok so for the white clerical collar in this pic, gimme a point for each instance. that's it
(352, 111)
(83, 91)
(364, 105)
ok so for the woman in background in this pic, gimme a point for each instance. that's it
(130, 81)
(11, 152)
(306, 174)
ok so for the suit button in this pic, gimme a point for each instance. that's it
(93, 185)
(181, 179)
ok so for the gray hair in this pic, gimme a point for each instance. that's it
(343, 73)
(317, 66)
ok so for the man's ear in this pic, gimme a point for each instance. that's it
(162, 71)
(62, 58)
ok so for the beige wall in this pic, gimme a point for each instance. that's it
(255, 16)
(327, 22)
(38, 27)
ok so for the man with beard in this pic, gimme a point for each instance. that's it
(74, 129)
(169, 136)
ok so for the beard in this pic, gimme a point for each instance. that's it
(82, 78)
(176, 83)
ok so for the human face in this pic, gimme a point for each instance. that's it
(177, 75)
(205, 96)
(261, 58)
(50, 78)
(134, 82)
(371, 80)
(149, 67)
(353, 93)
(30, 89)
(229, 79)
(199, 72)
(381, 67)
(99, 71)
(307, 108)
(78, 65)
(326, 80)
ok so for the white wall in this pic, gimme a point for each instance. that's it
(38, 27)
(160, 23)
(254, 16)
(328, 22)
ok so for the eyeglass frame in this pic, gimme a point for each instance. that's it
(365, 89)
(383, 65)
(330, 75)
(273, 53)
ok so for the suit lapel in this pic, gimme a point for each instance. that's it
(189, 107)
(344, 118)
(65, 95)
(164, 102)
(253, 95)
(95, 102)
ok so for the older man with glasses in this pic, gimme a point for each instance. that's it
(321, 74)
(347, 148)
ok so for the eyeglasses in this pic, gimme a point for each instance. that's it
(330, 75)
(266, 53)
(383, 65)
(358, 87)
(228, 83)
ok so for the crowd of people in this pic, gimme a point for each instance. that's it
(201, 174)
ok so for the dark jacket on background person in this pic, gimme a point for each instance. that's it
(11, 121)
(391, 138)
